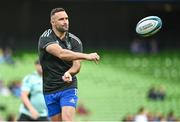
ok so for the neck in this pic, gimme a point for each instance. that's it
(60, 35)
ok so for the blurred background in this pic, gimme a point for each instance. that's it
(135, 75)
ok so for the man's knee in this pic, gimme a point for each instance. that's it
(68, 113)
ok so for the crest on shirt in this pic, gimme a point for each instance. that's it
(68, 44)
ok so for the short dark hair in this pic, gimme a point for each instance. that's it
(55, 10)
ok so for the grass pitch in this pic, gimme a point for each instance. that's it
(117, 86)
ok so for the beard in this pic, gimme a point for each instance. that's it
(63, 29)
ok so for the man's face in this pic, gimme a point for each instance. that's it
(60, 21)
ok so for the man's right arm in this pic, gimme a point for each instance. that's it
(69, 55)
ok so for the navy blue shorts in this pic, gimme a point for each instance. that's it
(56, 101)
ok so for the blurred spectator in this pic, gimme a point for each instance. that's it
(11, 118)
(1, 56)
(15, 88)
(1, 118)
(162, 119)
(142, 45)
(152, 93)
(8, 55)
(161, 93)
(157, 93)
(3, 89)
(137, 46)
(158, 117)
(153, 46)
(128, 118)
(171, 117)
(82, 110)
(150, 117)
(33, 107)
(150, 45)
(141, 115)
(146, 116)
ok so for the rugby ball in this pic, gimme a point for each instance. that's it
(148, 26)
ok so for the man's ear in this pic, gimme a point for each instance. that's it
(52, 20)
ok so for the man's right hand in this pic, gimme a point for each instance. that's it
(93, 57)
(67, 77)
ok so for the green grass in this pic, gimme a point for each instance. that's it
(11, 104)
(118, 85)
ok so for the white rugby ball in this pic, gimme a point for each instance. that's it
(148, 26)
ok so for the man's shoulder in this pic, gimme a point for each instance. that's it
(30, 76)
(75, 38)
(47, 35)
